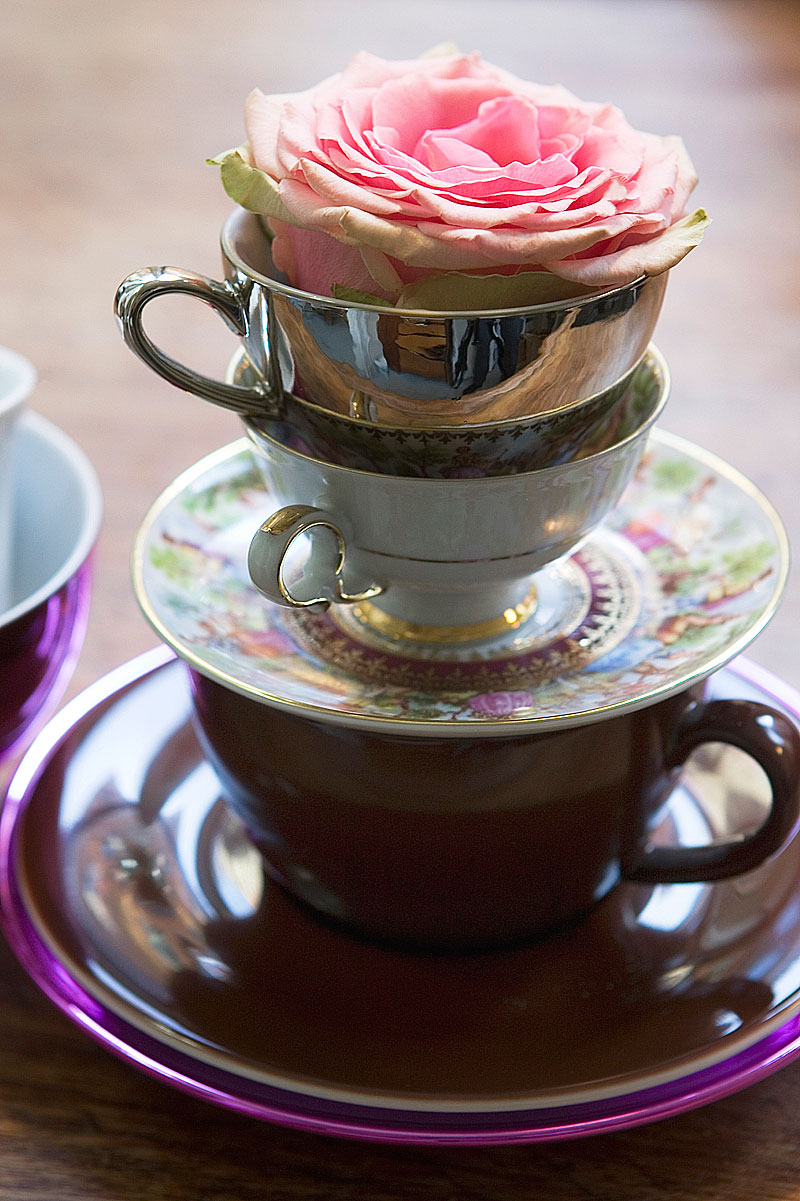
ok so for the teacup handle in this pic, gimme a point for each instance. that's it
(269, 548)
(769, 738)
(139, 288)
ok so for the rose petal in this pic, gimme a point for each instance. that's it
(646, 258)
(602, 148)
(271, 122)
(451, 249)
(412, 106)
(306, 210)
(246, 185)
(440, 151)
(332, 187)
(505, 130)
(382, 270)
(528, 216)
(314, 261)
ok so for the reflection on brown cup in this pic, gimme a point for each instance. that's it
(465, 843)
(56, 512)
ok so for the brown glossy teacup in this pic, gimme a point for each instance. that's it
(473, 843)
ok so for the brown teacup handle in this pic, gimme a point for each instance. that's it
(774, 742)
(139, 288)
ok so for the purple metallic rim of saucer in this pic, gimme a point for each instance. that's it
(321, 1116)
(50, 661)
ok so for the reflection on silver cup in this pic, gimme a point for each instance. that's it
(457, 452)
(397, 367)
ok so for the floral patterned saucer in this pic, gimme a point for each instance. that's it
(680, 578)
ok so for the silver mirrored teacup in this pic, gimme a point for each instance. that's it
(430, 552)
(391, 366)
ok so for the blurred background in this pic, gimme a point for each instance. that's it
(109, 111)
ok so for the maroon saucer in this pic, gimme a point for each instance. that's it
(134, 899)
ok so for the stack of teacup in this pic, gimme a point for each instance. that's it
(451, 454)
(421, 468)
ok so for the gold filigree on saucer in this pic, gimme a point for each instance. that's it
(596, 600)
(320, 635)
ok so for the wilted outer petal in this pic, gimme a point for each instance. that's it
(647, 258)
(456, 290)
(248, 186)
(453, 249)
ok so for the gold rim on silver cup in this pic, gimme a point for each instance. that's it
(452, 452)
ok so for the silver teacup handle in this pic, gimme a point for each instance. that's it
(270, 546)
(139, 288)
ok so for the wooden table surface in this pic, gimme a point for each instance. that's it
(108, 112)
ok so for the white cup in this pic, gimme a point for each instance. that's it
(427, 552)
(17, 380)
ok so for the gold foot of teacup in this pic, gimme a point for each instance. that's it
(395, 629)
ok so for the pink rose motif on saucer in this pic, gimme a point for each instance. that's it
(501, 704)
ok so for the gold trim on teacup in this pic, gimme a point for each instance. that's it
(655, 361)
(360, 406)
(397, 630)
(360, 413)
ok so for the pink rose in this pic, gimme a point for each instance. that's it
(500, 704)
(391, 172)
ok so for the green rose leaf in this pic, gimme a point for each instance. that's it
(462, 290)
(353, 296)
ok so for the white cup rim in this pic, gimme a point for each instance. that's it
(79, 465)
(22, 375)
